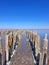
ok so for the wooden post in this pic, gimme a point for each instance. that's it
(14, 40)
(27, 36)
(1, 55)
(35, 50)
(45, 46)
(36, 45)
(11, 44)
(30, 36)
(38, 50)
(33, 37)
(7, 50)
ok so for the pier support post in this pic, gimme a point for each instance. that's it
(27, 36)
(8, 47)
(14, 42)
(45, 46)
(38, 49)
(1, 53)
(7, 50)
(35, 49)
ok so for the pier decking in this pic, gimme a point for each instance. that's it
(23, 55)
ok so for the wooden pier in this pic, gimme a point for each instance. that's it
(22, 47)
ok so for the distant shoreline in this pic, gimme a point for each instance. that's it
(25, 29)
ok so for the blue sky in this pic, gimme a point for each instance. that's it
(24, 14)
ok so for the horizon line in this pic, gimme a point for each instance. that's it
(24, 28)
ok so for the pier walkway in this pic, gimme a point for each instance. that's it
(23, 55)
